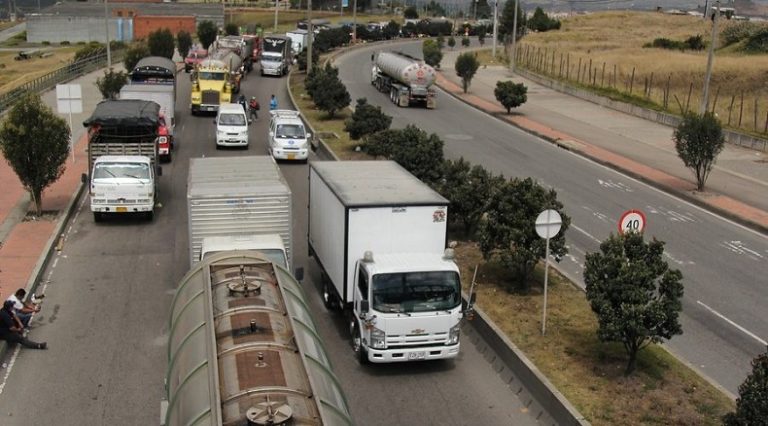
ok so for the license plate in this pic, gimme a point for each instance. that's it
(291, 156)
(417, 355)
(121, 209)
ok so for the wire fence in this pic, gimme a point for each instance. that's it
(741, 110)
(66, 73)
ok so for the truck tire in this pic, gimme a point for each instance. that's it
(329, 300)
(97, 217)
(357, 342)
(150, 215)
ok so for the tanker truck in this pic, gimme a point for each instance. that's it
(408, 80)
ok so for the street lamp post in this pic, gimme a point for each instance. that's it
(310, 36)
(277, 4)
(495, 26)
(514, 39)
(710, 60)
(354, 21)
(106, 35)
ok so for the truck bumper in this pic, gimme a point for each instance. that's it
(299, 154)
(122, 208)
(204, 108)
(412, 354)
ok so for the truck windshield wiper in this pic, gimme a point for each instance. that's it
(133, 176)
(398, 311)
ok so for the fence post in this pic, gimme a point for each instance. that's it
(568, 66)
(553, 63)
(688, 101)
(602, 76)
(741, 108)
(632, 81)
(650, 86)
(730, 109)
(714, 103)
(578, 75)
(666, 92)
(755, 113)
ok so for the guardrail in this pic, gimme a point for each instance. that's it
(66, 73)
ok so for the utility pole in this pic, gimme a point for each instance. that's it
(277, 2)
(106, 34)
(495, 26)
(475, 13)
(710, 60)
(354, 21)
(706, 8)
(310, 36)
(514, 39)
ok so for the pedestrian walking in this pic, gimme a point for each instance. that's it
(273, 103)
(254, 107)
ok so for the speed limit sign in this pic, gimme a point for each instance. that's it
(632, 221)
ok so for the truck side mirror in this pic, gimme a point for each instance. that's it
(299, 274)
(159, 171)
(364, 306)
(84, 178)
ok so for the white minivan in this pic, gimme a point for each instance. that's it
(288, 139)
(231, 126)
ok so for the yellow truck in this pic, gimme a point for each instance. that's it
(214, 82)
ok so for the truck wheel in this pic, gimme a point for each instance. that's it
(357, 343)
(327, 294)
(97, 217)
(150, 215)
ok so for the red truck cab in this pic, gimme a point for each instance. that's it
(164, 141)
(194, 57)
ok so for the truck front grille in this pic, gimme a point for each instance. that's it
(210, 97)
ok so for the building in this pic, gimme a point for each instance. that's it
(75, 21)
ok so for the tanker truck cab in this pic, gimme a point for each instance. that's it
(122, 184)
(406, 307)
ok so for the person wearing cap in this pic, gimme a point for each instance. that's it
(12, 330)
(23, 310)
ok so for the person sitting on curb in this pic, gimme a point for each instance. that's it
(23, 310)
(11, 329)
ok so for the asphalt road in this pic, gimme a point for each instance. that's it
(106, 318)
(724, 264)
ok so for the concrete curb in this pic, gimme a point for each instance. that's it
(42, 261)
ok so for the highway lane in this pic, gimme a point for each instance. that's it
(106, 318)
(724, 264)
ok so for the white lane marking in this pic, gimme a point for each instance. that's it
(585, 233)
(678, 261)
(616, 185)
(740, 328)
(9, 368)
(738, 247)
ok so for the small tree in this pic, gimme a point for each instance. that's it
(451, 42)
(698, 141)
(432, 54)
(366, 119)
(510, 94)
(440, 42)
(134, 54)
(35, 143)
(468, 189)
(410, 12)
(301, 59)
(633, 292)
(412, 148)
(312, 82)
(184, 43)
(111, 83)
(331, 95)
(465, 41)
(206, 33)
(466, 67)
(392, 30)
(752, 403)
(509, 233)
(161, 43)
(231, 29)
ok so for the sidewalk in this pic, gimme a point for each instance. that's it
(645, 150)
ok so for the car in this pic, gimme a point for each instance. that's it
(231, 126)
(288, 138)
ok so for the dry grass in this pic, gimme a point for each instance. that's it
(616, 39)
(7, 24)
(15, 73)
(587, 372)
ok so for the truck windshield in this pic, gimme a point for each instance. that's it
(232, 119)
(416, 291)
(207, 75)
(121, 170)
(294, 131)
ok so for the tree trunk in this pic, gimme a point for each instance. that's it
(37, 197)
(465, 84)
(632, 364)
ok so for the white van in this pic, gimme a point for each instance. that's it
(288, 139)
(231, 126)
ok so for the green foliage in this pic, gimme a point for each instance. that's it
(410, 12)
(331, 38)
(88, 51)
(451, 42)
(508, 230)
(466, 67)
(752, 403)
(184, 43)
(691, 43)
(313, 80)
(468, 189)
(117, 45)
(507, 20)
(134, 54)
(433, 28)
(757, 42)
(484, 10)
(435, 9)
(412, 148)
(392, 30)
(541, 22)
(737, 31)
(301, 59)
(161, 43)
(65, 43)
(206, 33)
(510, 94)
(440, 42)
(465, 41)
(330, 94)
(636, 297)
(35, 143)
(111, 83)
(698, 141)
(231, 29)
(481, 35)
(432, 53)
(366, 119)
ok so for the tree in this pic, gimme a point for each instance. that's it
(633, 292)
(541, 22)
(206, 33)
(431, 52)
(184, 43)
(160, 43)
(466, 67)
(111, 83)
(510, 94)
(412, 148)
(481, 35)
(301, 59)
(507, 21)
(410, 12)
(392, 30)
(468, 189)
(231, 29)
(312, 82)
(465, 41)
(134, 54)
(35, 143)
(451, 42)
(440, 42)
(752, 403)
(698, 141)
(331, 95)
(366, 119)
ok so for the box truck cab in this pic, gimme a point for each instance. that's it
(122, 184)
(276, 57)
(231, 126)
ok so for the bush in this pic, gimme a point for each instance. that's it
(117, 45)
(64, 43)
(541, 22)
(367, 119)
(46, 43)
(432, 54)
(757, 42)
(412, 148)
(691, 43)
(301, 59)
(737, 31)
(111, 83)
(88, 51)
(231, 29)
(134, 54)
(161, 43)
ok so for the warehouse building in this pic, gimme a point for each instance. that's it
(75, 21)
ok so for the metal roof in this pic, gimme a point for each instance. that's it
(222, 177)
(375, 183)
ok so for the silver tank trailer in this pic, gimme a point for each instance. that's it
(232, 59)
(406, 70)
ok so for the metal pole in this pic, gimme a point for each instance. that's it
(710, 60)
(310, 36)
(495, 25)
(277, 3)
(354, 21)
(475, 13)
(514, 38)
(546, 282)
(106, 34)
(71, 135)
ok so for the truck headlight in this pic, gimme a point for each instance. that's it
(378, 339)
(453, 335)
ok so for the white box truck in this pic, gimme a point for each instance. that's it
(379, 236)
(238, 203)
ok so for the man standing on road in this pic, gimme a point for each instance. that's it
(273, 103)
(11, 329)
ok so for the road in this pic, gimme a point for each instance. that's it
(106, 313)
(724, 264)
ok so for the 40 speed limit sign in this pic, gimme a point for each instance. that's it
(632, 221)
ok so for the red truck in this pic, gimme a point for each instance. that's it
(194, 57)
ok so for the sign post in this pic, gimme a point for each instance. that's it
(69, 99)
(548, 224)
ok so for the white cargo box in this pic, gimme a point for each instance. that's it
(237, 196)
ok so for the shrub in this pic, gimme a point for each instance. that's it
(366, 119)
(87, 51)
(46, 43)
(757, 42)
(738, 31)
(64, 43)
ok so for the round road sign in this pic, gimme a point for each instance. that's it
(632, 221)
(548, 223)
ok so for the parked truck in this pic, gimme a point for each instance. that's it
(242, 46)
(408, 80)
(298, 40)
(276, 56)
(215, 81)
(379, 236)
(239, 203)
(122, 157)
